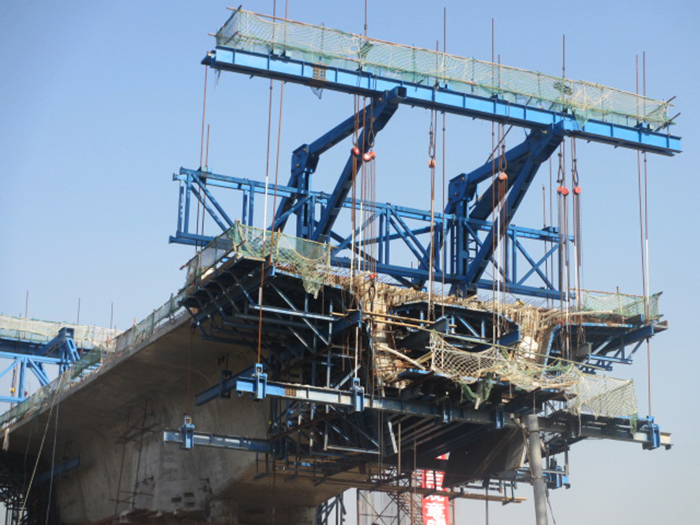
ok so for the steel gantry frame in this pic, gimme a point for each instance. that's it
(468, 233)
(401, 229)
(328, 415)
(26, 354)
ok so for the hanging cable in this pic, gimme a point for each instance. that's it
(264, 229)
(201, 155)
(204, 116)
(431, 167)
(563, 225)
(443, 238)
(578, 247)
(353, 175)
(53, 464)
(643, 204)
(494, 322)
(564, 263)
(279, 128)
(204, 195)
(277, 157)
(41, 446)
(501, 273)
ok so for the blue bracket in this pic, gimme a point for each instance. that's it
(260, 377)
(557, 480)
(540, 145)
(187, 430)
(304, 162)
(358, 396)
(654, 433)
(498, 418)
(384, 108)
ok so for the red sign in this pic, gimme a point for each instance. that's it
(436, 509)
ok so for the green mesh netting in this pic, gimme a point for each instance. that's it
(332, 48)
(603, 304)
(598, 395)
(604, 396)
(523, 372)
(309, 259)
(91, 359)
(40, 331)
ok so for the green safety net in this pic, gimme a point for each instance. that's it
(586, 393)
(327, 47)
(605, 305)
(309, 259)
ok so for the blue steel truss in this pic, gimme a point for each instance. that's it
(528, 250)
(464, 228)
(325, 414)
(28, 355)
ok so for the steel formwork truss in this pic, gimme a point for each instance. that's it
(325, 418)
(26, 355)
(329, 413)
(532, 254)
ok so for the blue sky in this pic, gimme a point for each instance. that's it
(100, 102)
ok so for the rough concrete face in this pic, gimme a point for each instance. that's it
(115, 420)
(224, 512)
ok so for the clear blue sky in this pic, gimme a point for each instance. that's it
(100, 102)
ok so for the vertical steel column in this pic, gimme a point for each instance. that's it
(535, 454)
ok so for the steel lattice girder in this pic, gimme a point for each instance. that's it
(394, 228)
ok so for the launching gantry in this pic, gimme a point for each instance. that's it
(462, 375)
(354, 364)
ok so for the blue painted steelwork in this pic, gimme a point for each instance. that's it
(188, 440)
(399, 226)
(316, 355)
(441, 98)
(325, 416)
(464, 225)
(28, 355)
(384, 108)
(66, 466)
(648, 434)
(606, 345)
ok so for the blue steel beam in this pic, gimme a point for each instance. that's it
(522, 163)
(219, 441)
(304, 162)
(440, 98)
(29, 355)
(406, 212)
(463, 187)
(536, 149)
(610, 428)
(384, 108)
(541, 146)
